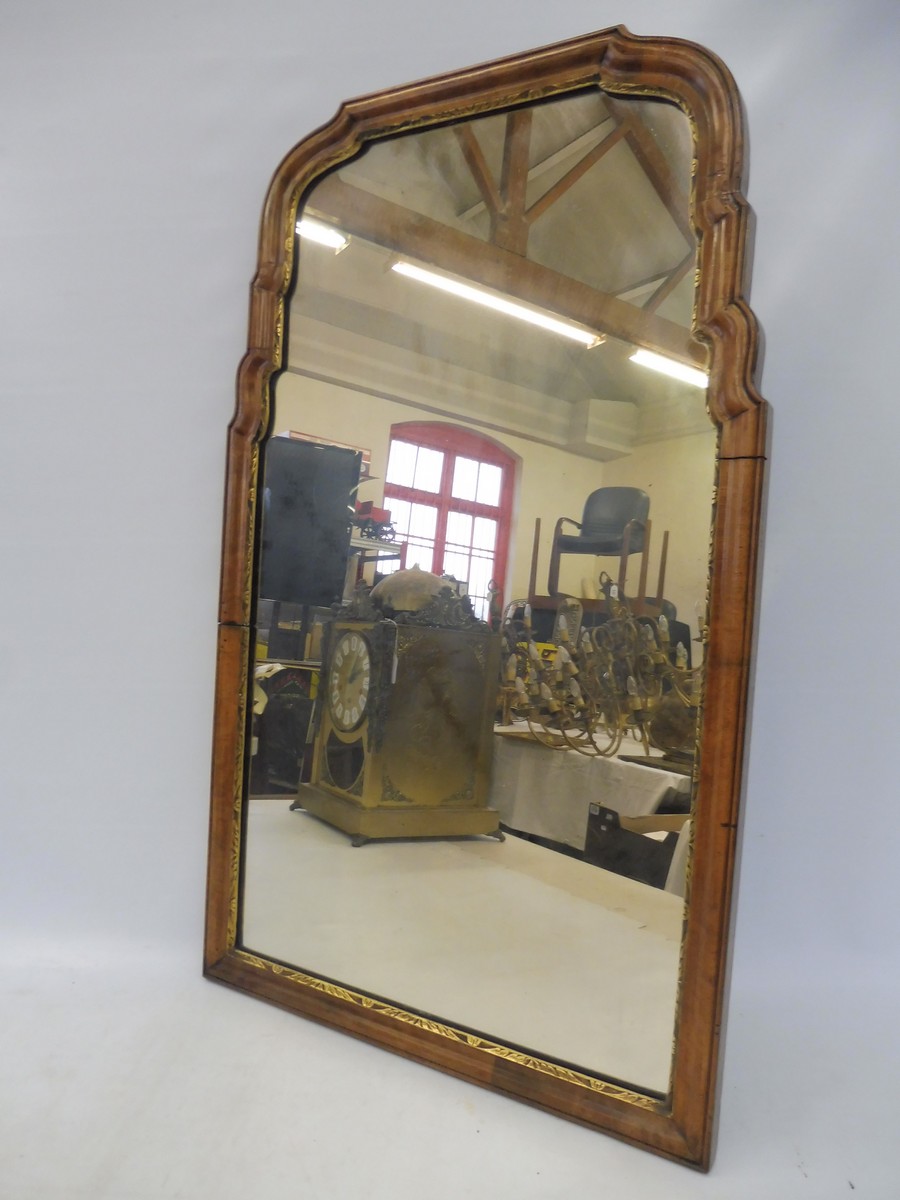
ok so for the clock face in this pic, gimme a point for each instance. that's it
(348, 680)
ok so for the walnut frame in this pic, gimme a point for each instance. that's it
(680, 1126)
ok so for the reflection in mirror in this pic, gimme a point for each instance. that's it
(490, 377)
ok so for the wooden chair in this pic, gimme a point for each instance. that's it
(615, 523)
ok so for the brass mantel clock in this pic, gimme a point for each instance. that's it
(403, 734)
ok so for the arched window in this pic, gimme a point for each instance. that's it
(450, 494)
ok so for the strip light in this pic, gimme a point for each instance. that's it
(468, 291)
(324, 235)
(669, 366)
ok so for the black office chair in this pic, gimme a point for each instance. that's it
(615, 522)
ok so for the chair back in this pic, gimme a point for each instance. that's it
(608, 510)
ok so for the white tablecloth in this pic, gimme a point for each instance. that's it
(548, 793)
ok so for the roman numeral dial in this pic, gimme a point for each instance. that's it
(349, 679)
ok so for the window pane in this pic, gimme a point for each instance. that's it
(459, 529)
(415, 524)
(480, 606)
(402, 464)
(457, 565)
(400, 510)
(489, 480)
(422, 521)
(465, 479)
(420, 554)
(480, 576)
(485, 534)
(429, 465)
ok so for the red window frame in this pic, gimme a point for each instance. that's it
(455, 441)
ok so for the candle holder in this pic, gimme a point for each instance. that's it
(588, 689)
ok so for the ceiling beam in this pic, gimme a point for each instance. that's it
(577, 149)
(654, 165)
(668, 286)
(481, 172)
(511, 230)
(398, 229)
(572, 176)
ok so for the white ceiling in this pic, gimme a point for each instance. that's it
(617, 229)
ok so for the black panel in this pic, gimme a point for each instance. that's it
(308, 501)
(610, 846)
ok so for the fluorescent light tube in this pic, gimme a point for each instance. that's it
(324, 235)
(468, 291)
(669, 366)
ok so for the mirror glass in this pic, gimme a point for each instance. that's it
(414, 426)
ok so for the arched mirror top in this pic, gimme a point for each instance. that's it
(620, 65)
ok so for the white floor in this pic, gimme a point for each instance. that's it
(128, 1077)
(525, 945)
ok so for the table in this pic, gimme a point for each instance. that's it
(548, 793)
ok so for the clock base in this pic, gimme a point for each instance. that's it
(413, 821)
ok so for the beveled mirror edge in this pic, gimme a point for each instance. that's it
(681, 1127)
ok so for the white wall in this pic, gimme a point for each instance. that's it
(549, 482)
(678, 475)
(137, 143)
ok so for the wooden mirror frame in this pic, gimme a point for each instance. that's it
(679, 1126)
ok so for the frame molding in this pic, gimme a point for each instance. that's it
(680, 1126)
